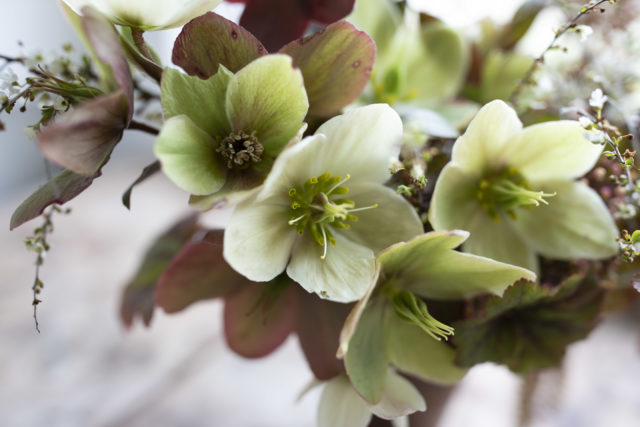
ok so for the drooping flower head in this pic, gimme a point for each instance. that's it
(324, 212)
(515, 190)
(148, 14)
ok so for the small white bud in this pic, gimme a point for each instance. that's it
(598, 99)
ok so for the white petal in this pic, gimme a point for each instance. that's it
(553, 150)
(343, 276)
(454, 202)
(340, 405)
(399, 398)
(258, 239)
(481, 145)
(575, 224)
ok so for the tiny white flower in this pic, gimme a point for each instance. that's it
(323, 212)
(148, 15)
(515, 190)
(30, 132)
(417, 171)
(9, 82)
(61, 105)
(598, 99)
(595, 136)
(585, 122)
(584, 30)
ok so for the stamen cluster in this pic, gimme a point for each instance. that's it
(240, 148)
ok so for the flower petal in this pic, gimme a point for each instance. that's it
(454, 202)
(268, 97)
(553, 150)
(202, 100)
(488, 133)
(210, 41)
(399, 398)
(340, 405)
(336, 64)
(367, 359)
(188, 156)
(429, 266)
(258, 239)
(343, 276)
(413, 351)
(575, 224)
(394, 220)
(275, 22)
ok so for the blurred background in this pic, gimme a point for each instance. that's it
(86, 369)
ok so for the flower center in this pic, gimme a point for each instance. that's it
(239, 148)
(506, 191)
(316, 206)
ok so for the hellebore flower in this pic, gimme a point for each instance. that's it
(148, 15)
(223, 133)
(304, 220)
(515, 190)
(276, 22)
(391, 325)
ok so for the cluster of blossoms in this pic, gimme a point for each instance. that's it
(323, 240)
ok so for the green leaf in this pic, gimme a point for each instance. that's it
(530, 326)
(336, 64)
(137, 298)
(520, 24)
(210, 41)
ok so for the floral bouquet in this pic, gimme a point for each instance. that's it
(408, 199)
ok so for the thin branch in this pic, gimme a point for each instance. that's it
(135, 125)
(527, 79)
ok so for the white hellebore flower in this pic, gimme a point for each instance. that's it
(148, 15)
(515, 190)
(323, 212)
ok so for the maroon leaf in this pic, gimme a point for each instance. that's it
(318, 326)
(260, 317)
(137, 298)
(275, 22)
(328, 11)
(84, 138)
(211, 40)
(147, 173)
(59, 190)
(198, 272)
(336, 64)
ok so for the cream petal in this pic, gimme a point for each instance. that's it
(454, 203)
(343, 276)
(399, 398)
(480, 148)
(575, 224)
(553, 150)
(340, 405)
(258, 239)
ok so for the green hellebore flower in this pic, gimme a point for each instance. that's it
(323, 212)
(515, 190)
(223, 134)
(391, 324)
(148, 15)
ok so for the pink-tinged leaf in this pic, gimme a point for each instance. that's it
(105, 42)
(260, 317)
(84, 138)
(318, 326)
(336, 64)
(197, 273)
(328, 11)
(211, 40)
(137, 298)
(59, 190)
(275, 22)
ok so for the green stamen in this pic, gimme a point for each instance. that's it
(316, 206)
(414, 310)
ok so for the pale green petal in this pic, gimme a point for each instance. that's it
(394, 220)
(367, 359)
(268, 97)
(202, 100)
(413, 351)
(575, 224)
(188, 156)
(430, 267)
(499, 241)
(343, 276)
(553, 150)
(361, 143)
(258, 239)
(454, 202)
(481, 146)
(399, 398)
(340, 405)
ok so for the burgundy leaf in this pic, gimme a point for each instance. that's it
(275, 22)
(328, 11)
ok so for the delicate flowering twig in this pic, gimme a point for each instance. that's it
(528, 77)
